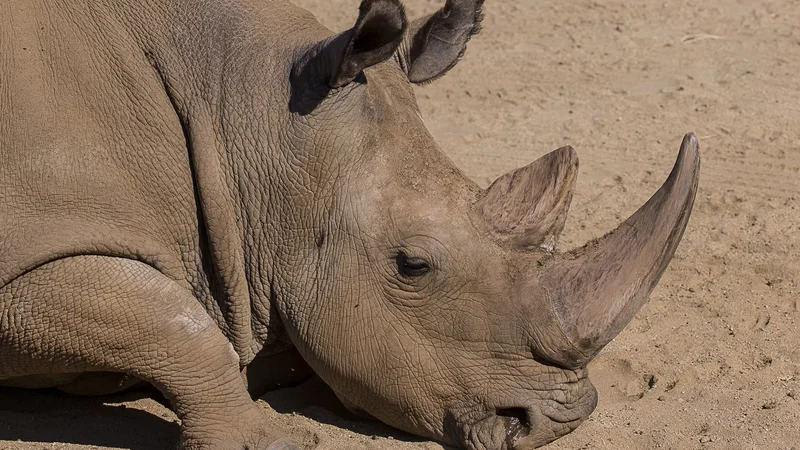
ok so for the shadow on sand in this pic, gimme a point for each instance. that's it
(121, 421)
(51, 416)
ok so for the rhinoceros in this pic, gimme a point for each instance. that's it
(220, 197)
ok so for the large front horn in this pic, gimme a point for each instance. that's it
(597, 289)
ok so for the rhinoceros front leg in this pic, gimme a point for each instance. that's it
(94, 313)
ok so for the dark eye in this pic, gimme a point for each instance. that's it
(411, 267)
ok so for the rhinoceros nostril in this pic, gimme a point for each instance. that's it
(517, 423)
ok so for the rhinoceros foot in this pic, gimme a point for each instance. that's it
(249, 431)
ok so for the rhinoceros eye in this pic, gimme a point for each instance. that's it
(411, 267)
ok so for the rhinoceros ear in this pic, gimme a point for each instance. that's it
(375, 38)
(434, 44)
(528, 207)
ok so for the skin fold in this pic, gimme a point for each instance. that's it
(218, 198)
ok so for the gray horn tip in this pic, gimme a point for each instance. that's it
(687, 165)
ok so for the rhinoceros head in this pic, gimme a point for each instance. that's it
(433, 305)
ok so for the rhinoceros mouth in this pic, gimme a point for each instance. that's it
(516, 422)
(498, 429)
(524, 425)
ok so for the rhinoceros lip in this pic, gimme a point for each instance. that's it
(516, 423)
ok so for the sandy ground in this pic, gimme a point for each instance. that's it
(713, 360)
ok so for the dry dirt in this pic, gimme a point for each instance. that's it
(713, 360)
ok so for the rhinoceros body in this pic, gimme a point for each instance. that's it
(218, 197)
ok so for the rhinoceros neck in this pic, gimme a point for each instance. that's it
(225, 70)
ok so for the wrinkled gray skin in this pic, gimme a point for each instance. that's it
(195, 194)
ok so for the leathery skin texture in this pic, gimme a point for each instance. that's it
(197, 195)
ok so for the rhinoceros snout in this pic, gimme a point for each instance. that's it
(537, 419)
